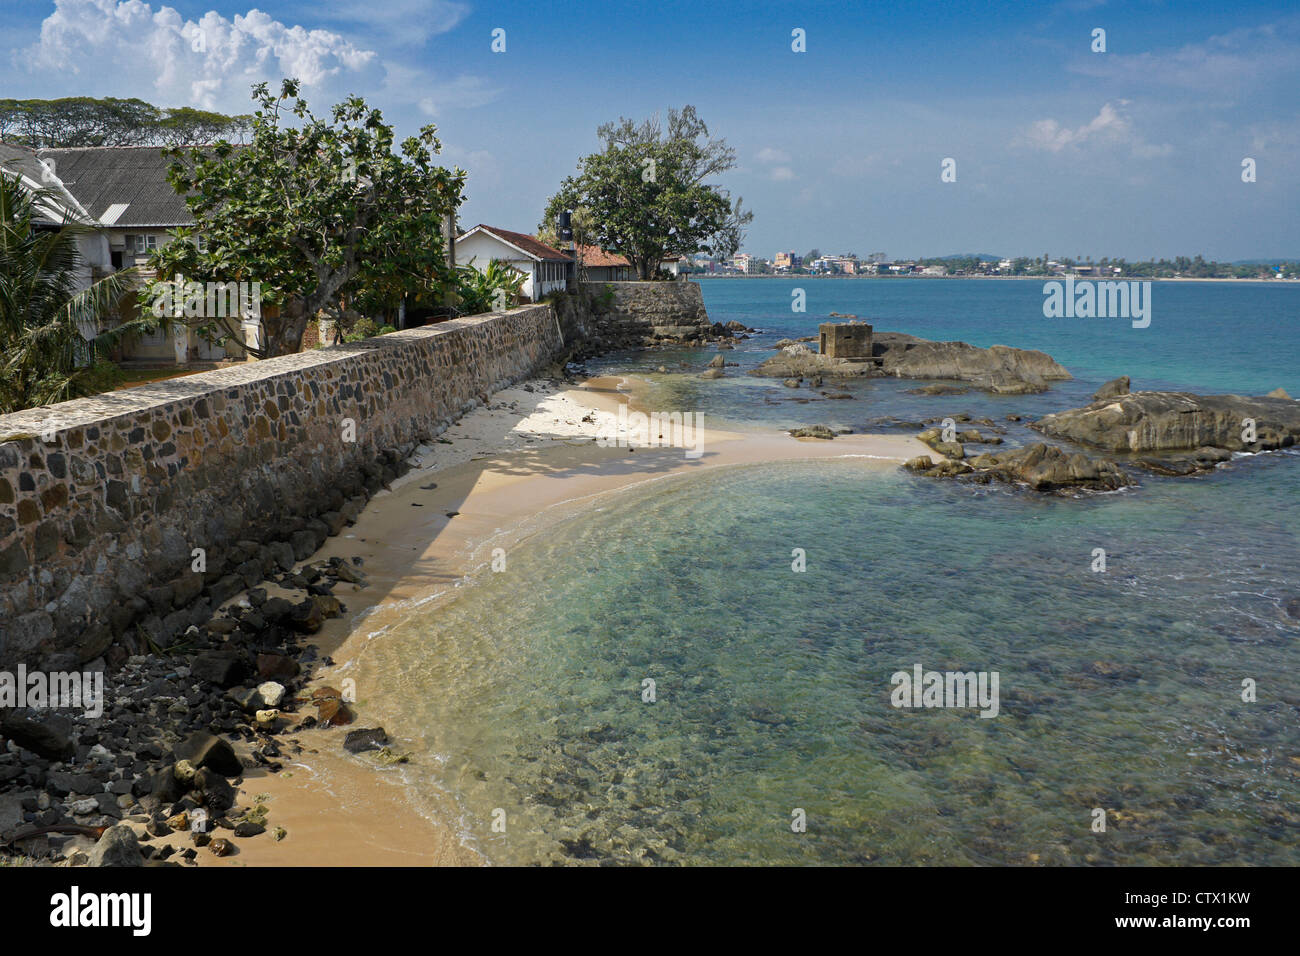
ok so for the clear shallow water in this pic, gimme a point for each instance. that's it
(1118, 690)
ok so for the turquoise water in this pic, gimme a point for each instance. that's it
(1119, 690)
(1206, 337)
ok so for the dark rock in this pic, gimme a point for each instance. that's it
(203, 749)
(223, 668)
(359, 741)
(50, 738)
(217, 794)
(60, 783)
(276, 667)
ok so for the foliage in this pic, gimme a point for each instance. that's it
(488, 290)
(366, 328)
(321, 213)
(44, 355)
(647, 194)
(86, 121)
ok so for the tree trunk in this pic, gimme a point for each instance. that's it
(285, 338)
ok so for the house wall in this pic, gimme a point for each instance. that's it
(104, 500)
(480, 249)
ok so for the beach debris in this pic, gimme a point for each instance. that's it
(221, 847)
(386, 756)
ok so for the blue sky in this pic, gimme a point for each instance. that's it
(1135, 152)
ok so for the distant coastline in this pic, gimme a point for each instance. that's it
(1042, 278)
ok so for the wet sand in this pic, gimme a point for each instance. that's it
(507, 473)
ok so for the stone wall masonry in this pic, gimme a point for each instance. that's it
(103, 500)
(648, 312)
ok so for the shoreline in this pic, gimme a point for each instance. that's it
(507, 477)
(696, 276)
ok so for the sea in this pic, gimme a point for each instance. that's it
(706, 670)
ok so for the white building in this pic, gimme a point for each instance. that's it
(544, 269)
(122, 193)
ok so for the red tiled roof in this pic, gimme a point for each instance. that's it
(530, 244)
(596, 257)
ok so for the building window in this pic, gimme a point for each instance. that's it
(145, 244)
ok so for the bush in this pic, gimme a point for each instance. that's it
(366, 328)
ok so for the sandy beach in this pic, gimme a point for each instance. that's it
(526, 459)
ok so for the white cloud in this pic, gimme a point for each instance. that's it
(1110, 127)
(210, 62)
(406, 22)
(770, 155)
(464, 92)
(1246, 57)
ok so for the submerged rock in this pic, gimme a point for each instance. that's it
(1041, 466)
(1046, 467)
(1177, 421)
(359, 741)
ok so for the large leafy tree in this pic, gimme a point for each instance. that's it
(87, 121)
(650, 192)
(317, 211)
(50, 325)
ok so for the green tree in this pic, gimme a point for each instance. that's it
(649, 195)
(44, 314)
(316, 211)
(87, 121)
